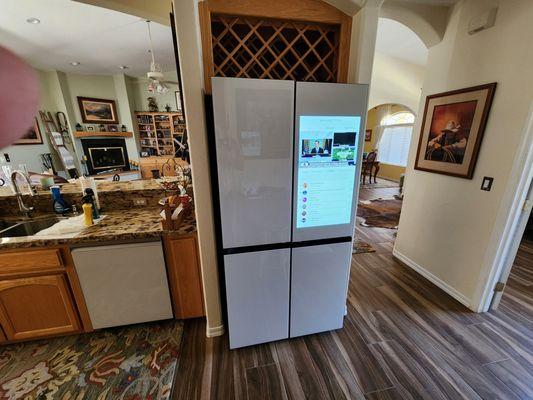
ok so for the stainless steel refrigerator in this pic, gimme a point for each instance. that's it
(288, 156)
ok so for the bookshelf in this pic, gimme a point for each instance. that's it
(157, 131)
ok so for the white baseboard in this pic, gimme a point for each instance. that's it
(461, 298)
(214, 331)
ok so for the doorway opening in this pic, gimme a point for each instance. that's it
(398, 71)
(514, 289)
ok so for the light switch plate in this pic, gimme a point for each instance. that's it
(487, 183)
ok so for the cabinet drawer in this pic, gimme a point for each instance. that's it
(28, 261)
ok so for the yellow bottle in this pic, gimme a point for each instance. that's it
(88, 214)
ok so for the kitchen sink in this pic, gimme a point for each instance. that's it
(27, 228)
(6, 224)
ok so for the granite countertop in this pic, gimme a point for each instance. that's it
(117, 226)
(101, 186)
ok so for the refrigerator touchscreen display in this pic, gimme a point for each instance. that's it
(326, 169)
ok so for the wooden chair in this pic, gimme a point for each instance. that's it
(368, 167)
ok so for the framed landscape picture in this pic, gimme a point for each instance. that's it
(452, 129)
(33, 136)
(368, 135)
(97, 111)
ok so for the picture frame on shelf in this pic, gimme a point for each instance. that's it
(452, 130)
(32, 136)
(95, 111)
(89, 128)
(112, 128)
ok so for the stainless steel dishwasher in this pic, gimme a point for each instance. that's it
(124, 284)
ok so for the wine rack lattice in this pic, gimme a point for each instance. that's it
(246, 47)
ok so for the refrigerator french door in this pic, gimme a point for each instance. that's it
(287, 164)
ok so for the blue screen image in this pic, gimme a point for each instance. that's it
(326, 169)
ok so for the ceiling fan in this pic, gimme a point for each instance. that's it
(156, 79)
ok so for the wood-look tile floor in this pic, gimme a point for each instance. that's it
(403, 338)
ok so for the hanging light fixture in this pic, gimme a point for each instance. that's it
(156, 83)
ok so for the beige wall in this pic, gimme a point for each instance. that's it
(58, 92)
(109, 87)
(29, 154)
(395, 81)
(447, 223)
(188, 35)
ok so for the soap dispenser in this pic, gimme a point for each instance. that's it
(87, 210)
(59, 204)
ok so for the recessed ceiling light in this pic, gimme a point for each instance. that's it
(33, 20)
(75, 63)
(123, 67)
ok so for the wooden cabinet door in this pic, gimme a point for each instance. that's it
(37, 306)
(184, 277)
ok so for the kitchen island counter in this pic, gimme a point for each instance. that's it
(117, 226)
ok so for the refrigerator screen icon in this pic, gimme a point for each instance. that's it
(327, 151)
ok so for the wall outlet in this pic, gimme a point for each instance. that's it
(139, 201)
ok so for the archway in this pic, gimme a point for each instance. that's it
(399, 65)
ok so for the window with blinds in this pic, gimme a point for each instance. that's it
(394, 144)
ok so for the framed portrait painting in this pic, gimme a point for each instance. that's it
(452, 130)
(368, 135)
(97, 111)
(32, 136)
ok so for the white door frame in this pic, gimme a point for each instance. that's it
(504, 243)
(525, 211)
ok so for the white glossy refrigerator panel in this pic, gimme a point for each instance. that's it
(319, 285)
(254, 144)
(257, 293)
(329, 134)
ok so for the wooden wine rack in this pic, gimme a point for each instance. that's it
(301, 40)
(245, 47)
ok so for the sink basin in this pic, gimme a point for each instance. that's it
(6, 224)
(28, 228)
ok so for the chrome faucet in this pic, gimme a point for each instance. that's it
(22, 207)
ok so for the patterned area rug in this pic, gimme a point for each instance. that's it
(380, 184)
(128, 363)
(360, 247)
(380, 213)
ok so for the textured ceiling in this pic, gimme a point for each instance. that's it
(99, 38)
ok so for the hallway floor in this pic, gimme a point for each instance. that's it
(403, 338)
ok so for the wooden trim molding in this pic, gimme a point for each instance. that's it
(76, 290)
(344, 49)
(296, 10)
(207, 45)
(82, 134)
